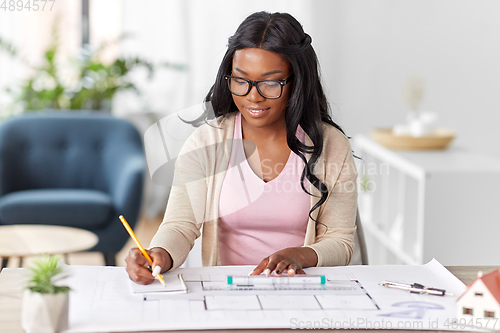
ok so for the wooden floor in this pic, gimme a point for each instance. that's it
(145, 229)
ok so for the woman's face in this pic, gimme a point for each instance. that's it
(257, 64)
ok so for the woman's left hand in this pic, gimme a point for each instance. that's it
(291, 260)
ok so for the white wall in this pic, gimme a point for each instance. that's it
(190, 32)
(369, 48)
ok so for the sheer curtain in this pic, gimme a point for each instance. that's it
(193, 33)
(31, 32)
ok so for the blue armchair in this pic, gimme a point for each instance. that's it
(73, 169)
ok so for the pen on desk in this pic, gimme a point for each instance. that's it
(416, 288)
(144, 253)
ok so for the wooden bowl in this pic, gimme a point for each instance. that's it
(438, 141)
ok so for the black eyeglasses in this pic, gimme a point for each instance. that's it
(271, 89)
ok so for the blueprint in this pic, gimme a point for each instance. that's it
(103, 300)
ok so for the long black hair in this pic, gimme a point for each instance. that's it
(307, 106)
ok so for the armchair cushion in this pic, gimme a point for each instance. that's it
(87, 209)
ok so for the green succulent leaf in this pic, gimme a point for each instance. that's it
(44, 275)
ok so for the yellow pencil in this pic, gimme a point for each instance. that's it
(144, 253)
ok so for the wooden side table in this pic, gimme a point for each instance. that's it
(23, 240)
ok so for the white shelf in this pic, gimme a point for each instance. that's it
(429, 204)
(393, 246)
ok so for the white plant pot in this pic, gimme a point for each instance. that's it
(44, 313)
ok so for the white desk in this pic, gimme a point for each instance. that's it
(12, 281)
(429, 204)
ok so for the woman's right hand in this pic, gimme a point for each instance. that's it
(139, 268)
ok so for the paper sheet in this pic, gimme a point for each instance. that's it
(102, 300)
(172, 284)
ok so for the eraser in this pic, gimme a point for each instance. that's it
(156, 271)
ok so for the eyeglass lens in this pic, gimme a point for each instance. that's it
(268, 88)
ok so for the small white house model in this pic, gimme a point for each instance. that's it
(479, 305)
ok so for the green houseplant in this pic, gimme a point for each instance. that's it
(86, 82)
(45, 302)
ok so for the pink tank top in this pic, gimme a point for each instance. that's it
(259, 218)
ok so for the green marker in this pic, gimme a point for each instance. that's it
(262, 279)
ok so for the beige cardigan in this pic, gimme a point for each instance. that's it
(199, 173)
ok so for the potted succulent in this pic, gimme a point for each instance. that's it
(45, 302)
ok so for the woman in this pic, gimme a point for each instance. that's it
(272, 177)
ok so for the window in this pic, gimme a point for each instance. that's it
(489, 314)
(468, 311)
(478, 294)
